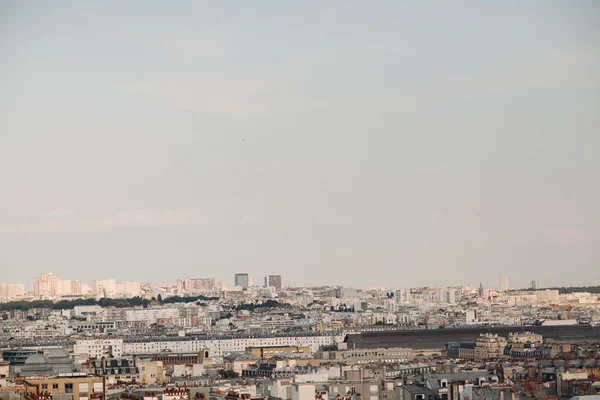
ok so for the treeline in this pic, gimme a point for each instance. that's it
(566, 290)
(266, 305)
(103, 302)
(577, 289)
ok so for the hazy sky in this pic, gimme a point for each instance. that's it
(334, 142)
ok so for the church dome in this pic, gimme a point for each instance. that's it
(59, 355)
(36, 359)
(61, 361)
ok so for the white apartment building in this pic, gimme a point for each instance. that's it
(11, 291)
(219, 347)
(67, 288)
(99, 348)
(85, 311)
(104, 287)
(151, 315)
(403, 296)
(45, 284)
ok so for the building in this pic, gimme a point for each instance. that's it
(117, 370)
(168, 358)
(489, 346)
(68, 288)
(77, 386)
(151, 372)
(415, 392)
(242, 280)
(237, 361)
(104, 288)
(524, 338)
(548, 295)
(57, 362)
(220, 346)
(98, 348)
(442, 384)
(273, 281)
(504, 283)
(45, 284)
(363, 356)
(17, 357)
(471, 316)
(270, 351)
(12, 291)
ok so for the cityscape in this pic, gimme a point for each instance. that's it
(299, 200)
(203, 338)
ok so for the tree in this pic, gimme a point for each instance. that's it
(159, 298)
(228, 374)
(4, 317)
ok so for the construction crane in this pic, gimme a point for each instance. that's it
(568, 307)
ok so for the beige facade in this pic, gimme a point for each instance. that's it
(366, 356)
(81, 386)
(270, 351)
(151, 372)
(489, 346)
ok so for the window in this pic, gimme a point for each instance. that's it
(44, 386)
(55, 386)
(68, 388)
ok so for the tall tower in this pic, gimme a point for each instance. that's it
(242, 280)
(533, 285)
(503, 283)
(273, 281)
(480, 289)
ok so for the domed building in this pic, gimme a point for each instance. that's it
(58, 362)
(61, 361)
(36, 365)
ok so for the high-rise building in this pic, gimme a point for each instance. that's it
(242, 280)
(533, 285)
(273, 281)
(104, 287)
(503, 283)
(45, 285)
(481, 292)
(12, 290)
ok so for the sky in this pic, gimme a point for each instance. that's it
(349, 143)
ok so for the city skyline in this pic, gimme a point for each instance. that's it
(350, 143)
(502, 283)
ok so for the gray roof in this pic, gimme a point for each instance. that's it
(433, 380)
(415, 389)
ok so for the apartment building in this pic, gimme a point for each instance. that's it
(363, 356)
(98, 348)
(78, 385)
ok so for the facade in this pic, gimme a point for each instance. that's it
(45, 284)
(117, 370)
(489, 346)
(503, 283)
(57, 362)
(273, 281)
(151, 372)
(270, 351)
(414, 392)
(524, 337)
(365, 356)
(221, 346)
(11, 291)
(98, 348)
(79, 386)
(242, 280)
